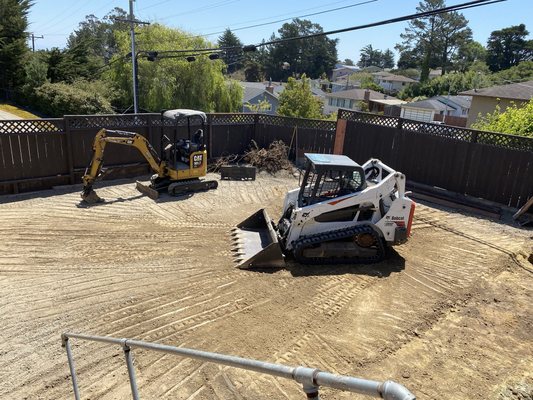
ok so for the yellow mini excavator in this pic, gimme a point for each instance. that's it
(179, 169)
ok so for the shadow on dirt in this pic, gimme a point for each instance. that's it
(394, 263)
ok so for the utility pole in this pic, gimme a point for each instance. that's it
(134, 22)
(33, 37)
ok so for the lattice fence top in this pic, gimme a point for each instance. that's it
(232, 119)
(32, 126)
(108, 121)
(450, 132)
(300, 122)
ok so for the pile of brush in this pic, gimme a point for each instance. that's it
(272, 160)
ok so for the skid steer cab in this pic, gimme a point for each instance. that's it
(342, 213)
(177, 170)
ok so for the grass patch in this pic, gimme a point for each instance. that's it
(19, 112)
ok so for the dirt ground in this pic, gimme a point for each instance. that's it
(450, 315)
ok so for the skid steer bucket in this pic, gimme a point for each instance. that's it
(256, 243)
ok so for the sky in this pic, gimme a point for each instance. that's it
(56, 19)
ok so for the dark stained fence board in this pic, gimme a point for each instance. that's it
(488, 165)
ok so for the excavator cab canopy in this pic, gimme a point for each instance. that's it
(183, 113)
(328, 176)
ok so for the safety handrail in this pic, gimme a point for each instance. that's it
(310, 378)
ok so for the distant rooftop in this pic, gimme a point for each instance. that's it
(430, 104)
(394, 78)
(359, 94)
(513, 91)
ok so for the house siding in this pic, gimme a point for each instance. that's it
(486, 105)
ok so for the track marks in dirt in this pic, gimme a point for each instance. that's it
(162, 271)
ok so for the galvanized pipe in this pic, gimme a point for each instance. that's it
(310, 378)
(65, 343)
(131, 370)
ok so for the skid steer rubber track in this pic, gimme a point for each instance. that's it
(336, 236)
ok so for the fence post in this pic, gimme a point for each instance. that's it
(340, 134)
(400, 124)
(209, 135)
(70, 155)
(254, 131)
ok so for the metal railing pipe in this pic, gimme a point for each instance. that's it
(310, 378)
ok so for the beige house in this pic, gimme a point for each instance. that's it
(392, 83)
(484, 101)
(351, 99)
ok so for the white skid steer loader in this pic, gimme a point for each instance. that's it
(343, 213)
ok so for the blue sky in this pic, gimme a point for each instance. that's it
(55, 19)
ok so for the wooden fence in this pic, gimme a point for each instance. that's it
(485, 165)
(39, 154)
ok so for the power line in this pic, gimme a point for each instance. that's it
(462, 6)
(288, 19)
(276, 16)
(200, 9)
(252, 47)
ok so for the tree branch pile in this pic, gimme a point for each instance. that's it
(272, 160)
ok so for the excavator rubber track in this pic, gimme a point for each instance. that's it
(369, 255)
(190, 186)
(177, 188)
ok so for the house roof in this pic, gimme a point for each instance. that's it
(252, 92)
(393, 78)
(389, 101)
(358, 94)
(350, 67)
(461, 101)
(514, 91)
(429, 104)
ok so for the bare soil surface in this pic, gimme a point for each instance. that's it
(448, 316)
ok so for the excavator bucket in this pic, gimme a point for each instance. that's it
(147, 190)
(90, 197)
(256, 243)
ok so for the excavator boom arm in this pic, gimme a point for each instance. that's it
(132, 139)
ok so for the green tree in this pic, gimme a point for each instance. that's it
(387, 59)
(96, 36)
(35, 71)
(297, 100)
(312, 56)
(468, 54)
(253, 71)
(369, 56)
(364, 80)
(174, 82)
(451, 83)
(13, 48)
(520, 72)
(373, 57)
(231, 56)
(58, 99)
(514, 120)
(508, 47)
(348, 61)
(433, 40)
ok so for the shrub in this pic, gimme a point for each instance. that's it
(58, 99)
